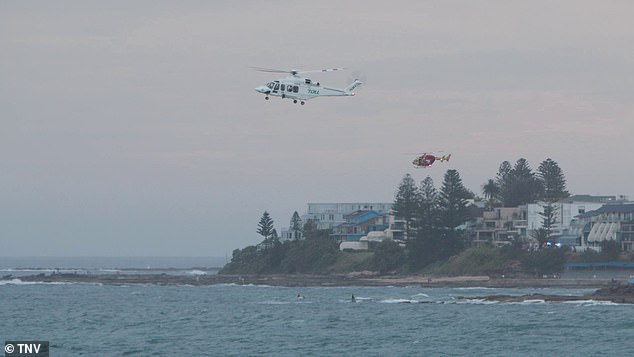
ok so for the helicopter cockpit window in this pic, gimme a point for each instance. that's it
(277, 86)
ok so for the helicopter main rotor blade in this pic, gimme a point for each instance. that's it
(295, 71)
(321, 70)
(270, 70)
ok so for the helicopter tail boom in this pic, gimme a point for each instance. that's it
(336, 92)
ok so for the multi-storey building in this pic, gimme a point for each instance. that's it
(330, 215)
(564, 211)
(499, 226)
(610, 222)
(358, 224)
(573, 223)
(502, 225)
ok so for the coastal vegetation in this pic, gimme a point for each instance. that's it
(434, 242)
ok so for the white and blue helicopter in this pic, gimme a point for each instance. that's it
(302, 89)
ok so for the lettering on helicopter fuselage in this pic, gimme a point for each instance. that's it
(313, 91)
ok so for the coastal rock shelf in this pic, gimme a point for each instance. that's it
(616, 292)
(299, 280)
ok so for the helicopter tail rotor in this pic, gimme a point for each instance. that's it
(357, 76)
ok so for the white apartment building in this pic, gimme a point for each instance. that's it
(330, 215)
(565, 211)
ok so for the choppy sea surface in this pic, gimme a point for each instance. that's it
(239, 320)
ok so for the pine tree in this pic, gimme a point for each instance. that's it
(406, 203)
(503, 181)
(428, 207)
(453, 200)
(422, 250)
(548, 218)
(310, 229)
(552, 179)
(520, 185)
(296, 226)
(265, 227)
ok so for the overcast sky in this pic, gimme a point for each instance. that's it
(133, 128)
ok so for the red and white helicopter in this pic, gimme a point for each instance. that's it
(302, 89)
(425, 160)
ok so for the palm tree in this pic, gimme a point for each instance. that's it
(491, 192)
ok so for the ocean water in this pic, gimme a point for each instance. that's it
(21, 266)
(237, 320)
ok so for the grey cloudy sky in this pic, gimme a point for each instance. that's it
(132, 127)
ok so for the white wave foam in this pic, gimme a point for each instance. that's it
(592, 303)
(20, 282)
(362, 298)
(274, 302)
(531, 302)
(398, 301)
(476, 301)
(475, 288)
(197, 272)
(33, 270)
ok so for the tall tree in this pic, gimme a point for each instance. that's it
(521, 185)
(406, 203)
(549, 218)
(504, 180)
(553, 180)
(265, 227)
(491, 191)
(428, 207)
(453, 200)
(296, 226)
(423, 248)
(310, 229)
